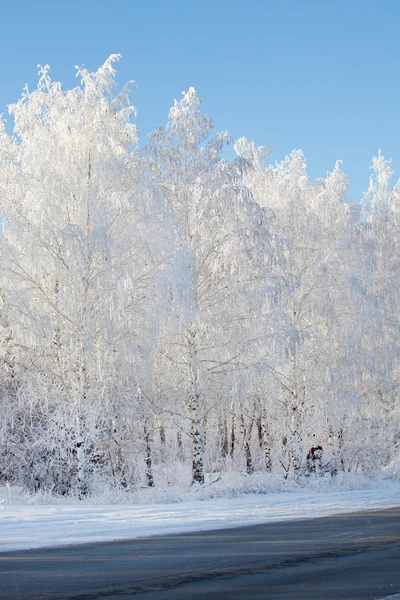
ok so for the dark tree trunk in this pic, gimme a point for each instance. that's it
(233, 433)
(148, 459)
(223, 435)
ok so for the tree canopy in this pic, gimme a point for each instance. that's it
(167, 312)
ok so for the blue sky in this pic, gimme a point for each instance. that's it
(322, 75)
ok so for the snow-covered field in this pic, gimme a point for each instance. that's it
(36, 526)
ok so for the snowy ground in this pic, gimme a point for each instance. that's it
(23, 527)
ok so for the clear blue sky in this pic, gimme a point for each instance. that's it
(320, 75)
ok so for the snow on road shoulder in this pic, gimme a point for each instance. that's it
(23, 527)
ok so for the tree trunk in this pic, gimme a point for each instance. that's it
(233, 433)
(196, 419)
(265, 442)
(117, 465)
(246, 433)
(223, 435)
(80, 445)
(148, 460)
(340, 446)
(147, 440)
(259, 432)
(294, 451)
(161, 431)
(197, 453)
(81, 457)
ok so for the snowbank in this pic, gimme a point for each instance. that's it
(39, 525)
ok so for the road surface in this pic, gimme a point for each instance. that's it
(354, 556)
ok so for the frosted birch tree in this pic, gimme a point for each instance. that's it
(165, 308)
(232, 258)
(77, 250)
(378, 380)
(317, 223)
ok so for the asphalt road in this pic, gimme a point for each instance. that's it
(354, 556)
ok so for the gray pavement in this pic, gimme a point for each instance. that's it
(354, 556)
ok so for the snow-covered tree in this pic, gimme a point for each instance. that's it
(166, 312)
(81, 236)
(231, 264)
